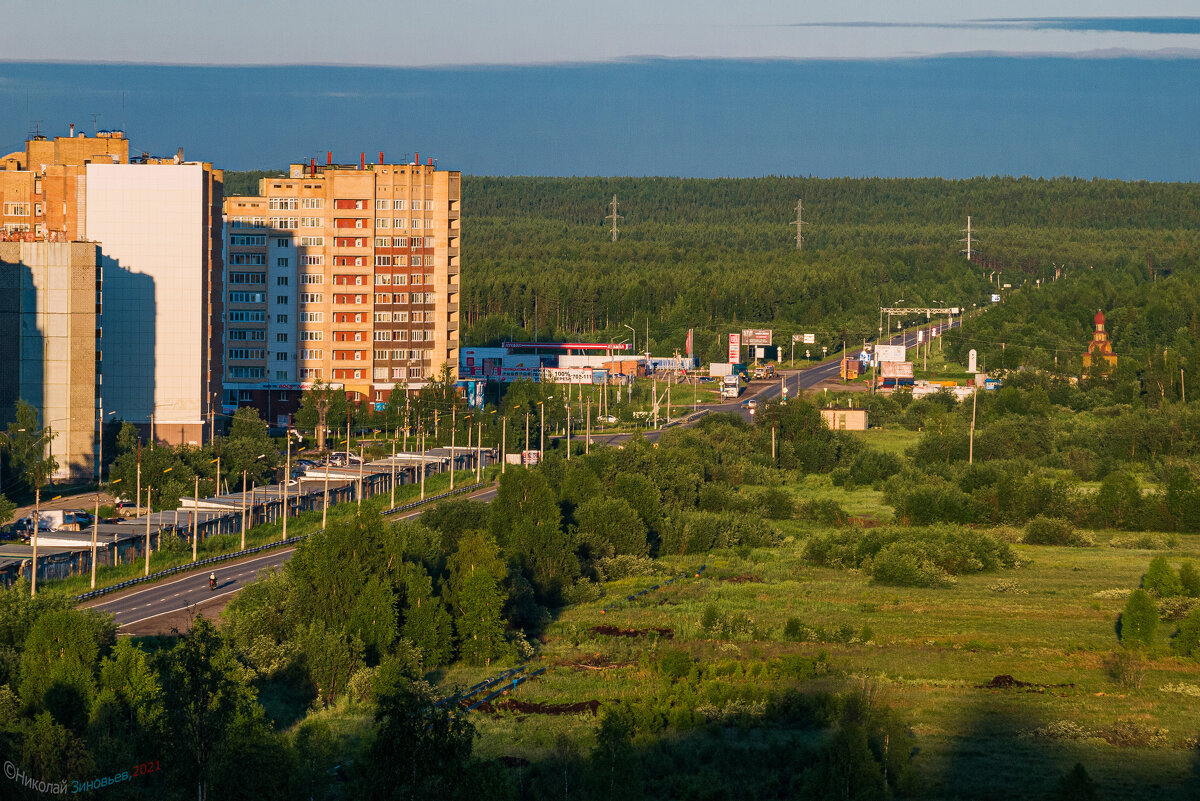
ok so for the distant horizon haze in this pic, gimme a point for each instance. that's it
(1130, 118)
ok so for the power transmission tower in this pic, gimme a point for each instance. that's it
(614, 217)
(970, 251)
(799, 223)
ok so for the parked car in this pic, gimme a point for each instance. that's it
(608, 418)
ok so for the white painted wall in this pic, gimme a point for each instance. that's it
(149, 221)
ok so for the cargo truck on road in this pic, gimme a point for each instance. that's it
(731, 386)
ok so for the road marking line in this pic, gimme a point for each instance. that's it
(185, 578)
(172, 611)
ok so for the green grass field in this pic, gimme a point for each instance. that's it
(928, 654)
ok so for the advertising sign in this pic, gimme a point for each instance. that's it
(760, 352)
(810, 339)
(569, 375)
(972, 361)
(995, 298)
(896, 370)
(756, 336)
(735, 348)
(889, 353)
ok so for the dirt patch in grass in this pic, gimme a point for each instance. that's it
(745, 578)
(526, 708)
(1007, 682)
(613, 631)
(594, 662)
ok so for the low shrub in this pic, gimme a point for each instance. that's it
(1139, 621)
(625, 565)
(824, 512)
(908, 564)
(1134, 734)
(923, 557)
(1176, 608)
(1054, 531)
(1126, 668)
(1161, 579)
(675, 664)
(1145, 541)
(1189, 578)
(1187, 639)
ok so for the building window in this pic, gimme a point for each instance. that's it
(383, 261)
(247, 240)
(281, 356)
(398, 372)
(282, 204)
(281, 318)
(244, 316)
(313, 261)
(383, 242)
(309, 317)
(281, 337)
(312, 278)
(281, 280)
(428, 205)
(381, 355)
(382, 205)
(401, 336)
(383, 298)
(16, 209)
(383, 336)
(312, 336)
(400, 317)
(415, 223)
(247, 278)
(281, 262)
(281, 375)
(245, 354)
(281, 300)
(311, 297)
(416, 205)
(400, 222)
(310, 372)
(247, 297)
(399, 241)
(382, 222)
(312, 203)
(256, 259)
(312, 241)
(400, 298)
(309, 355)
(398, 205)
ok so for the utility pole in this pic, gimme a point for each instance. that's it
(568, 405)
(95, 530)
(799, 223)
(324, 509)
(587, 443)
(969, 249)
(479, 452)
(244, 510)
(362, 461)
(526, 431)
(422, 464)
(503, 444)
(542, 435)
(37, 525)
(287, 477)
(614, 217)
(148, 488)
(195, 514)
(971, 446)
(453, 429)
(392, 500)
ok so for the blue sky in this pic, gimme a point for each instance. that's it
(476, 32)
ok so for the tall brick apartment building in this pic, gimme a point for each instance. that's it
(346, 274)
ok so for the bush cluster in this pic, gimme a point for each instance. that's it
(920, 557)
(1043, 530)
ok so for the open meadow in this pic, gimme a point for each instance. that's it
(1006, 678)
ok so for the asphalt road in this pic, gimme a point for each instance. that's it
(151, 608)
(183, 597)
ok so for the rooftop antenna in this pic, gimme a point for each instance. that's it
(799, 223)
(122, 109)
(614, 217)
(969, 250)
(36, 126)
(95, 124)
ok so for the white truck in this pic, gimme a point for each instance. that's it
(731, 386)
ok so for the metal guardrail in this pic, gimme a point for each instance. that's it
(170, 571)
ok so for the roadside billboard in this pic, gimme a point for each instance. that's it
(889, 353)
(756, 336)
(896, 370)
(735, 348)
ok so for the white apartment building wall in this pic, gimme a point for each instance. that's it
(150, 222)
(282, 293)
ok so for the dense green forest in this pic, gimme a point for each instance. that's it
(719, 254)
(716, 255)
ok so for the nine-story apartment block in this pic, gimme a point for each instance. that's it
(346, 274)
